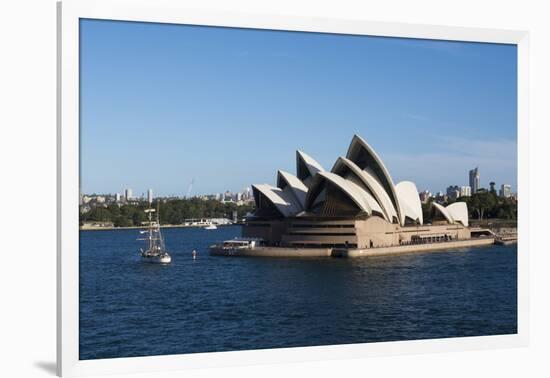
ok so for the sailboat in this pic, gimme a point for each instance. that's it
(155, 249)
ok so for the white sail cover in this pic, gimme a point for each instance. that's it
(289, 182)
(364, 156)
(306, 167)
(283, 201)
(371, 184)
(409, 200)
(454, 213)
(358, 195)
(361, 176)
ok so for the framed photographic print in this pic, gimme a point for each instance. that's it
(240, 188)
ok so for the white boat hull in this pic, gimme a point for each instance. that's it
(165, 259)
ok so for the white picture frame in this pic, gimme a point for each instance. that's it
(69, 13)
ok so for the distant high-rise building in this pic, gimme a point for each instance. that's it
(117, 197)
(492, 187)
(424, 196)
(150, 196)
(440, 197)
(128, 194)
(474, 179)
(453, 192)
(227, 196)
(506, 191)
(465, 191)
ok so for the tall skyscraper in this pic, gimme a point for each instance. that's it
(150, 196)
(453, 192)
(117, 197)
(474, 180)
(128, 194)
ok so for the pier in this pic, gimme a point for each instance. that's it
(301, 252)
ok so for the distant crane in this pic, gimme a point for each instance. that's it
(189, 189)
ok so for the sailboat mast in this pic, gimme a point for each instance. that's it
(150, 231)
(161, 241)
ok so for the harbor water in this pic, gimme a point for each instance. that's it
(130, 308)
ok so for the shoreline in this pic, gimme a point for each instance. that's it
(110, 228)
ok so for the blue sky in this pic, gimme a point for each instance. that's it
(164, 104)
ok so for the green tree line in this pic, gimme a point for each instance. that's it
(171, 212)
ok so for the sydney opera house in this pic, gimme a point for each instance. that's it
(354, 205)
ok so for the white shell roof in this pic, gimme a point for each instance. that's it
(455, 212)
(444, 212)
(372, 183)
(409, 200)
(459, 212)
(283, 201)
(299, 190)
(362, 198)
(312, 165)
(385, 180)
(369, 185)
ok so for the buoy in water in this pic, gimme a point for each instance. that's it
(194, 254)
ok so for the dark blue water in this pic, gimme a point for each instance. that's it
(128, 308)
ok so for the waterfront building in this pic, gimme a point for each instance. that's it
(465, 191)
(354, 205)
(453, 192)
(474, 180)
(128, 194)
(506, 190)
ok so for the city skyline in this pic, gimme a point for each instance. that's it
(465, 191)
(208, 102)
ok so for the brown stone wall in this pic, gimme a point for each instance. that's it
(376, 232)
(373, 232)
(268, 230)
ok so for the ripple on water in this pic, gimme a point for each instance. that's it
(213, 304)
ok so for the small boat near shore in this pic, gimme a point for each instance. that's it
(234, 247)
(211, 227)
(155, 251)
